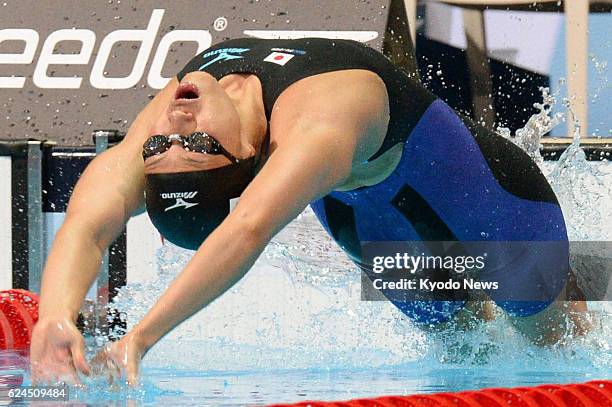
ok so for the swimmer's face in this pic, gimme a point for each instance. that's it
(199, 104)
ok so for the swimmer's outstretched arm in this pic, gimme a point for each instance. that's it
(108, 192)
(291, 179)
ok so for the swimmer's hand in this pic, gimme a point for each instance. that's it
(57, 352)
(120, 360)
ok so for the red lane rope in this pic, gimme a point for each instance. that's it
(6, 333)
(597, 393)
(18, 314)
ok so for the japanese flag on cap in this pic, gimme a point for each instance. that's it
(278, 58)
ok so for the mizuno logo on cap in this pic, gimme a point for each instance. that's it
(175, 195)
(224, 54)
(181, 204)
(180, 199)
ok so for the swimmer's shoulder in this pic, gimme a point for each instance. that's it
(355, 101)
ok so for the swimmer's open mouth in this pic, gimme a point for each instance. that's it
(186, 91)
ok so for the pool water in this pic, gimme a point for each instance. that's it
(446, 362)
(199, 388)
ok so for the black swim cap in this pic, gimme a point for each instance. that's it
(186, 207)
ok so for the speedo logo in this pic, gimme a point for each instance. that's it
(175, 195)
(87, 38)
(44, 61)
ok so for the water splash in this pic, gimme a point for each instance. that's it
(304, 249)
(584, 190)
(528, 137)
(601, 67)
(274, 318)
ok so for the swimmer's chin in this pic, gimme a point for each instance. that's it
(187, 106)
(182, 115)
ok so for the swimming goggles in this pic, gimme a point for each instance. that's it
(198, 142)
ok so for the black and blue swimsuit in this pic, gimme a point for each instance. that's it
(455, 180)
